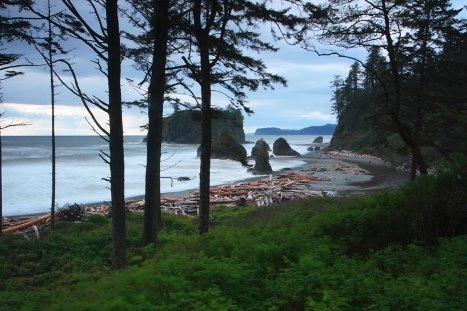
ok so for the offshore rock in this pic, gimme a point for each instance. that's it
(282, 148)
(227, 147)
(253, 150)
(318, 140)
(261, 155)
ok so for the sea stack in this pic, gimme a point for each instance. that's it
(261, 155)
(318, 140)
(282, 148)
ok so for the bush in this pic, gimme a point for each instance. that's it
(437, 204)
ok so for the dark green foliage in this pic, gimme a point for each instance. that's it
(438, 205)
(415, 90)
(318, 254)
(12, 27)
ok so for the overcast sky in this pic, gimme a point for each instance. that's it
(304, 102)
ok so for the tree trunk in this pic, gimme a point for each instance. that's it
(413, 168)
(117, 165)
(417, 157)
(52, 100)
(1, 181)
(152, 208)
(403, 131)
(205, 161)
(204, 79)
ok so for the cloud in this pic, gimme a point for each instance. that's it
(318, 115)
(301, 68)
(70, 120)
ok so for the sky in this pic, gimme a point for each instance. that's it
(306, 101)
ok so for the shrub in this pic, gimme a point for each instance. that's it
(437, 204)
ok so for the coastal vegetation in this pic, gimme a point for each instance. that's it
(400, 250)
(406, 101)
(184, 126)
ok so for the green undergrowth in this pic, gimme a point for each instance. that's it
(405, 250)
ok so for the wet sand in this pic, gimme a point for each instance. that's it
(339, 175)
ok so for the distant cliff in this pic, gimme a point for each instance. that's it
(184, 127)
(327, 129)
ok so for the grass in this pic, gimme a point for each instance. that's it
(384, 252)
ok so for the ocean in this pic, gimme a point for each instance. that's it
(81, 172)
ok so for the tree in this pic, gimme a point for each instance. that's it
(428, 23)
(338, 103)
(152, 211)
(104, 42)
(48, 47)
(151, 55)
(379, 24)
(12, 28)
(50, 61)
(222, 32)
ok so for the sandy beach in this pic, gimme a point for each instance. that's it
(338, 173)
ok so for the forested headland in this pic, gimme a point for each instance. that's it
(184, 126)
(406, 102)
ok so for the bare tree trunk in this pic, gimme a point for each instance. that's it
(205, 161)
(52, 100)
(202, 36)
(152, 207)
(117, 165)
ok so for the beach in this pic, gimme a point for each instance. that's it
(337, 173)
(322, 174)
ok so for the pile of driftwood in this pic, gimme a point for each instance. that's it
(282, 187)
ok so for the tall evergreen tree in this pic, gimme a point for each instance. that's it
(338, 103)
(222, 31)
(104, 42)
(154, 54)
(156, 92)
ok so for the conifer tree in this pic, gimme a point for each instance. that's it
(222, 32)
(104, 42)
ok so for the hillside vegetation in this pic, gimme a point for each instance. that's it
(184, 126)
(393, 251)
(363, 104)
